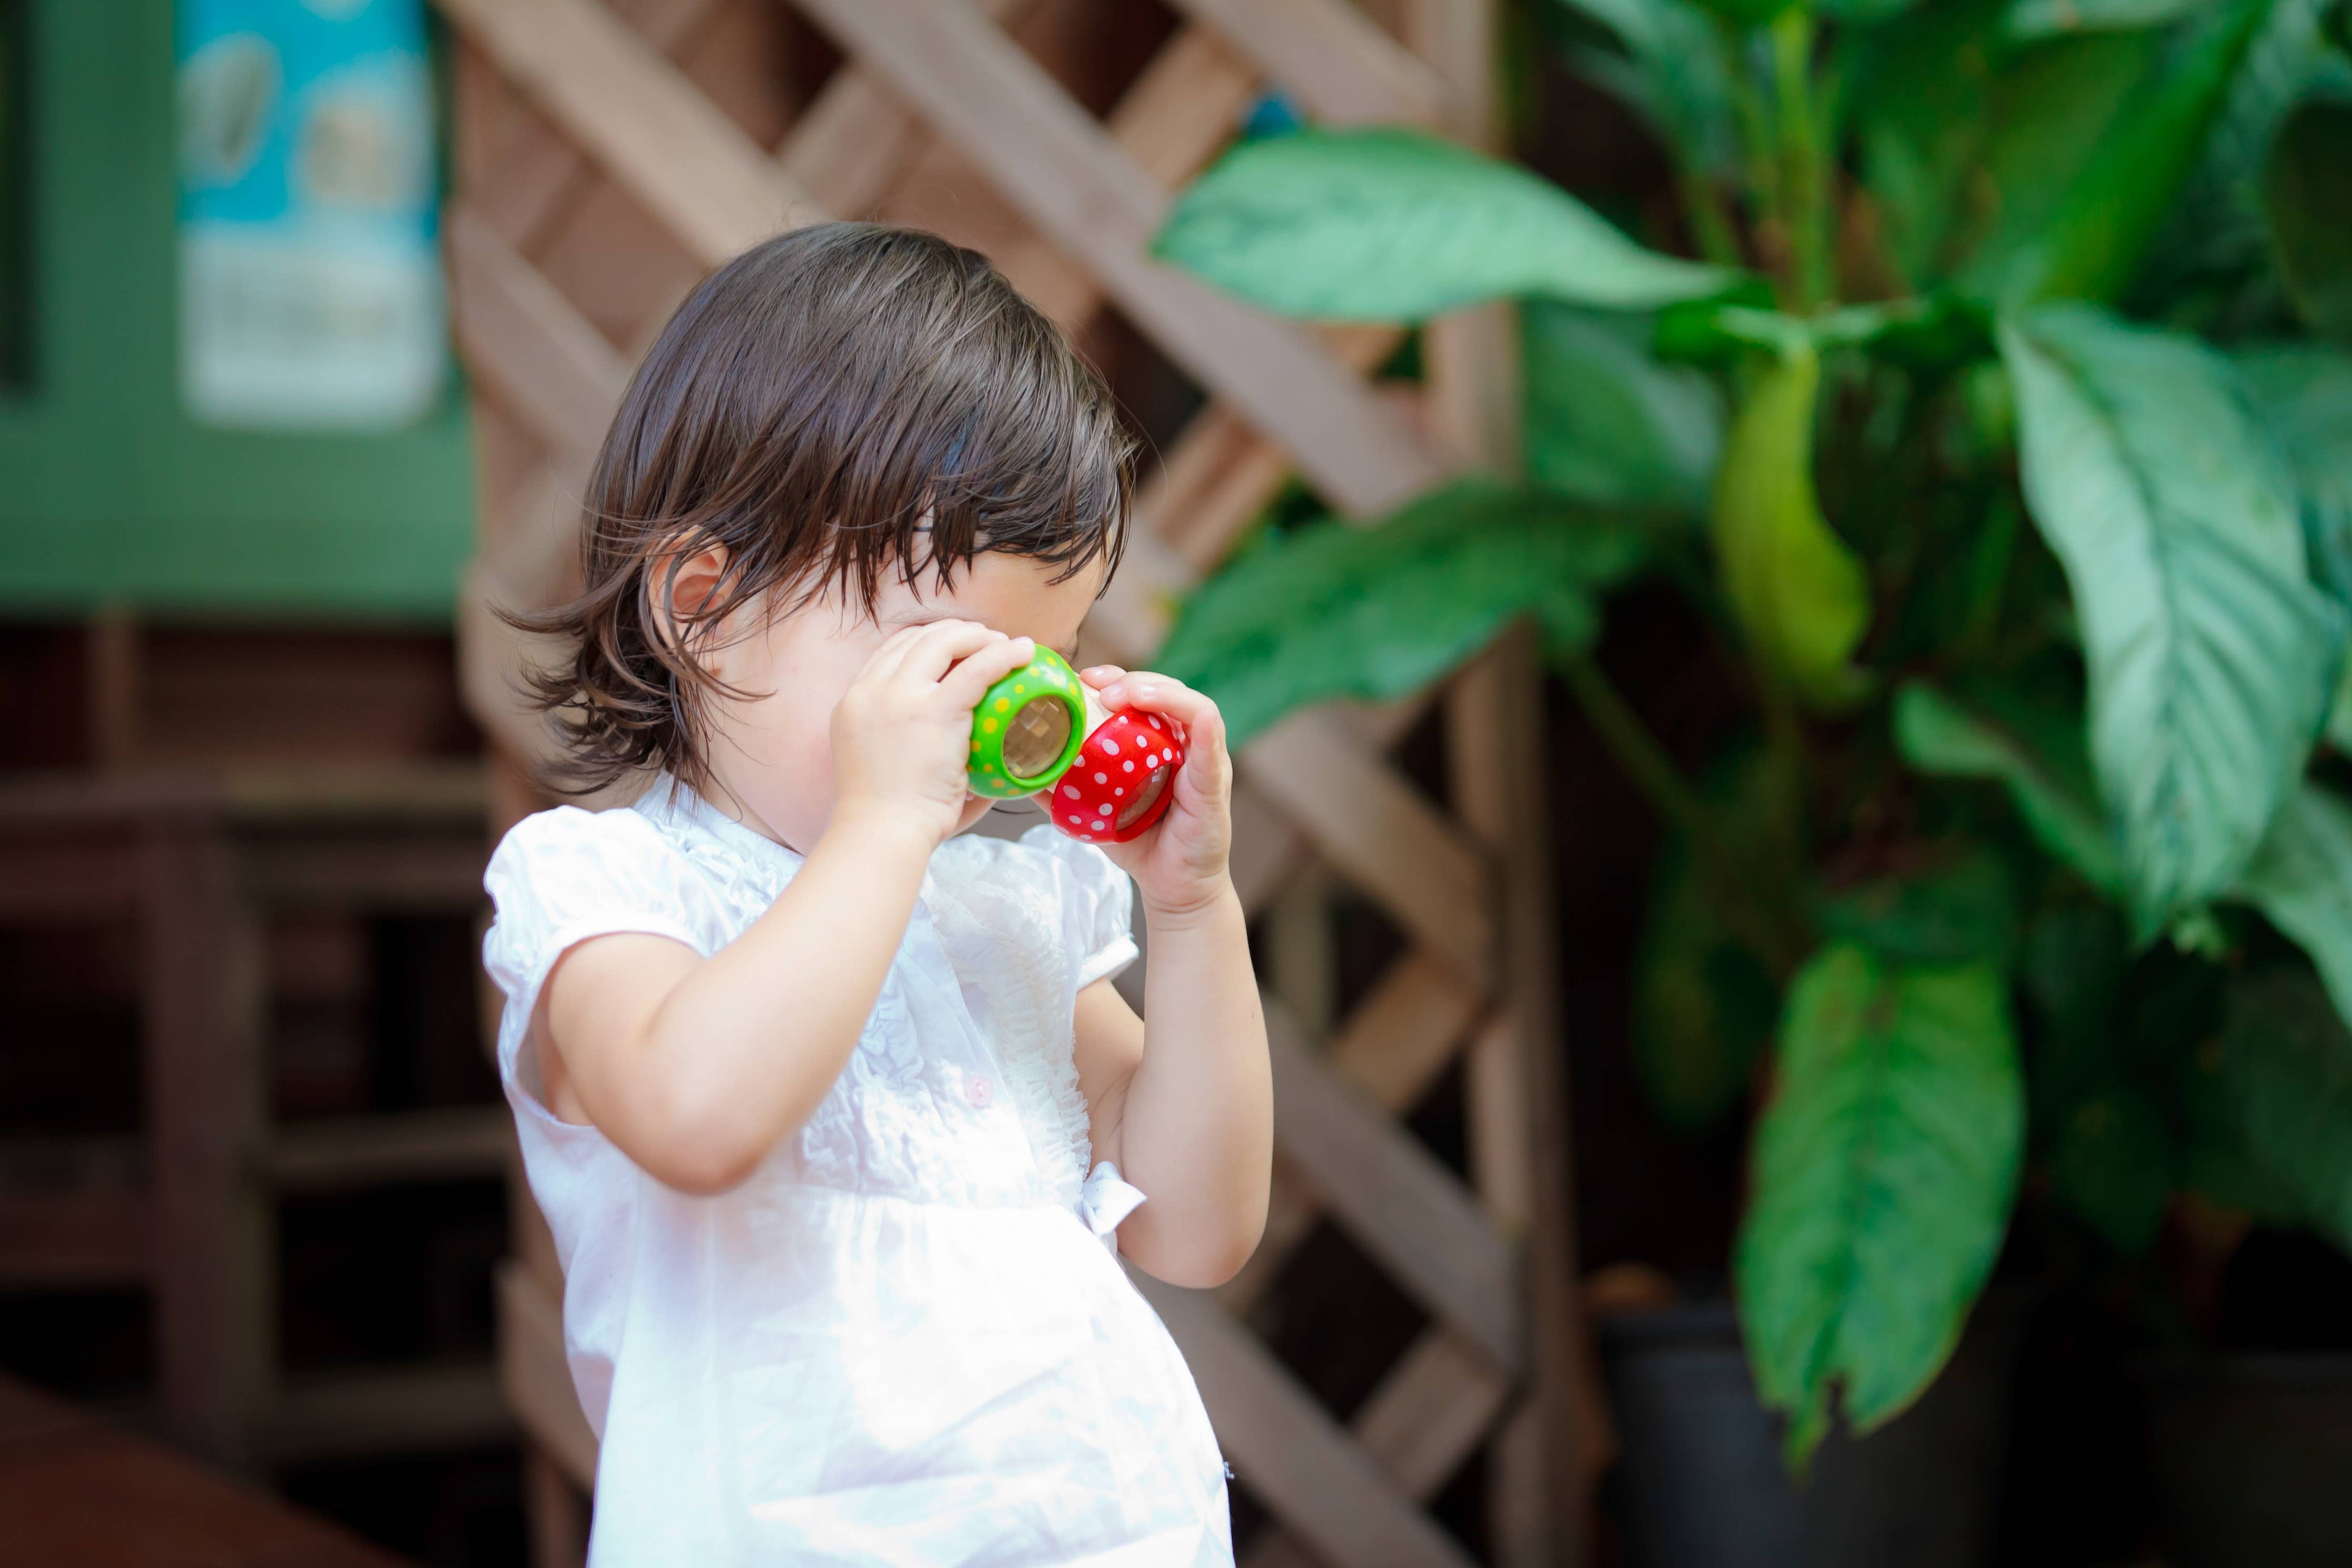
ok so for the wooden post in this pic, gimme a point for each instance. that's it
(213, 1232)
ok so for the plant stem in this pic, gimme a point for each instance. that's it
(1804, 160)
(1637, 750)
(1710, 219)
(1763, 170)
(1751, 895)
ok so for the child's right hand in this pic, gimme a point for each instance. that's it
(902, 733)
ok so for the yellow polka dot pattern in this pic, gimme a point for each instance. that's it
(1047, 675)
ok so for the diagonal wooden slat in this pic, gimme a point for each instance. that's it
(520, 186)
(1404, 1207)
(1393, 1046)
(1379, 833)
(857, 138)
(522, 337)
(1318, 1481)
(1436, 1405)
(1171, 120)
(1332, 57)
(1091, 199)
(652, 129)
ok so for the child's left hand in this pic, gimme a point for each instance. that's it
(1180, 864)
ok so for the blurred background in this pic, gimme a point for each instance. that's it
(1781, 569)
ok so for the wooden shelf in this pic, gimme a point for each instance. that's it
(73, 1213)
(384, 1410)
(346, 1151)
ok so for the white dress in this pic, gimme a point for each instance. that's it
(905, 1340)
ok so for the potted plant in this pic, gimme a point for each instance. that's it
(2003, 423)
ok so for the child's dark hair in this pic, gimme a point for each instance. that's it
(839, 402)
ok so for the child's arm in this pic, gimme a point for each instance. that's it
(697, 1067)
(1184, 1103)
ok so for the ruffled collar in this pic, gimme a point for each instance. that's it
(669, 803)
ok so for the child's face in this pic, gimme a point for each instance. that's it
(771, 752)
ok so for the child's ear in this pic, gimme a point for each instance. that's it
(683, 584)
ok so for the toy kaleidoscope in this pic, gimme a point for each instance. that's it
(1028, 728)
(1041, 728)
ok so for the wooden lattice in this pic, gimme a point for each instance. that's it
(612, 151)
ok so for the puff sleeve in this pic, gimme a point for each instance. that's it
(561, 876)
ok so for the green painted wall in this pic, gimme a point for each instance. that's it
(108, 492)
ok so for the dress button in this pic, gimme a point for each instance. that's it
(976, 1090)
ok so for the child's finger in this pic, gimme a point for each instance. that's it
(942, 643)
(969, 681)
(891, 655)
(1162, 694)
(1100, 674)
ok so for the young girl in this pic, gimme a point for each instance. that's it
(832, 1112)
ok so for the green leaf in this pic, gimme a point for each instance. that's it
(2050, 18)
(2090, 243)
(1339, 611)
(1932, 332)
(1750, 13)
(2114, 1164)
(2211, 658)
(1674, 72)
(1883, 1170)
(1386, 225)
(1963, 909)
(1606, 422)
(2071, 972)
(1798, 593)
(1937, 735)
(2307, 193)
(1961, 131)
(2214, 252)
(2301, 878)
(1703, 1004)
(2303, 395)
(2284, 1084)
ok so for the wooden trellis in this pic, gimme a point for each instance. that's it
(612, 151)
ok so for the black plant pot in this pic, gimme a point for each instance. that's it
(1699, 1482)
(2253, 1460)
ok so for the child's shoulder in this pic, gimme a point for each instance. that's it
(559, 866)
(568, 835)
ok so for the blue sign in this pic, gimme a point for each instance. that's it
(310, 289)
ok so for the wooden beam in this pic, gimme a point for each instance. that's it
(205, 1016)
(1393, 1197)
(82, 1236)
(653, 130)
(533, 348)
(1518, 1102)
(1436, 1405)
(858, 138)
(1393, 1046)
(385, 1410)
(1331, 58)
(1378, 832)
(392, 874)
(1089, 196)
(1400, 1036)
(1171, 120)
(49, 878)
(518, 187)
(338, 1152)
(1289, 1452)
